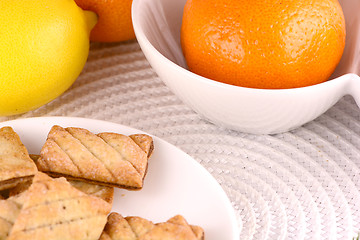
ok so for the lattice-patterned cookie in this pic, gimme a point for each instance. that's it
(106, 158)
(137, 228)
(53, 209)
(15, 164)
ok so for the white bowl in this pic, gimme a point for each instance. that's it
(262, 111)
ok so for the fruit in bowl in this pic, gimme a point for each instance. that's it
(157, 25)
(263, 44)
(44, 45)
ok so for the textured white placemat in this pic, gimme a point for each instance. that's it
(304, 184)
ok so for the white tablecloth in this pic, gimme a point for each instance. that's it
(304, 184)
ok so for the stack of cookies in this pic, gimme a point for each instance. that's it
(66, 191)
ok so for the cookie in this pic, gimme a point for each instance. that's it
(108, 159)
(53, 209)
(15, 164)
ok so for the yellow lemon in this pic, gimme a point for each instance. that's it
(44, 45)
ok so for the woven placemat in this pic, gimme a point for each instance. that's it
(304, 184)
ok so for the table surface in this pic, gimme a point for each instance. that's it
(303, 184)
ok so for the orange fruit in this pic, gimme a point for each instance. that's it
(114, 24)
(268, 44)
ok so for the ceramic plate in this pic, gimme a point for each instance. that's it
(175, 183)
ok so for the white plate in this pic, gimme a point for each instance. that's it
(175, 183)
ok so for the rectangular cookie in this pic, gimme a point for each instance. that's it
(109, 159)
(53, 209)
(134, 228)
(15, 164)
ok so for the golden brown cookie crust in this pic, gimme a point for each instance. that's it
(15, 164)
(137, 228)
(109, 159)
(53, 209)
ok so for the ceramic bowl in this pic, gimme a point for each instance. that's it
(157, 26)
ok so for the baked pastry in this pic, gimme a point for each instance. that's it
(53, 209)
(145, 142)
(9, 211)
(109, 159)
(15, 164)
(19, 199)
(20, 188)
(104, 192)
(118, 228)
(137, 228)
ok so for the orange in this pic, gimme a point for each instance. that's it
(269, 44)
(114, 24)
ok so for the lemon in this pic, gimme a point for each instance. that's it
(44, 45)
